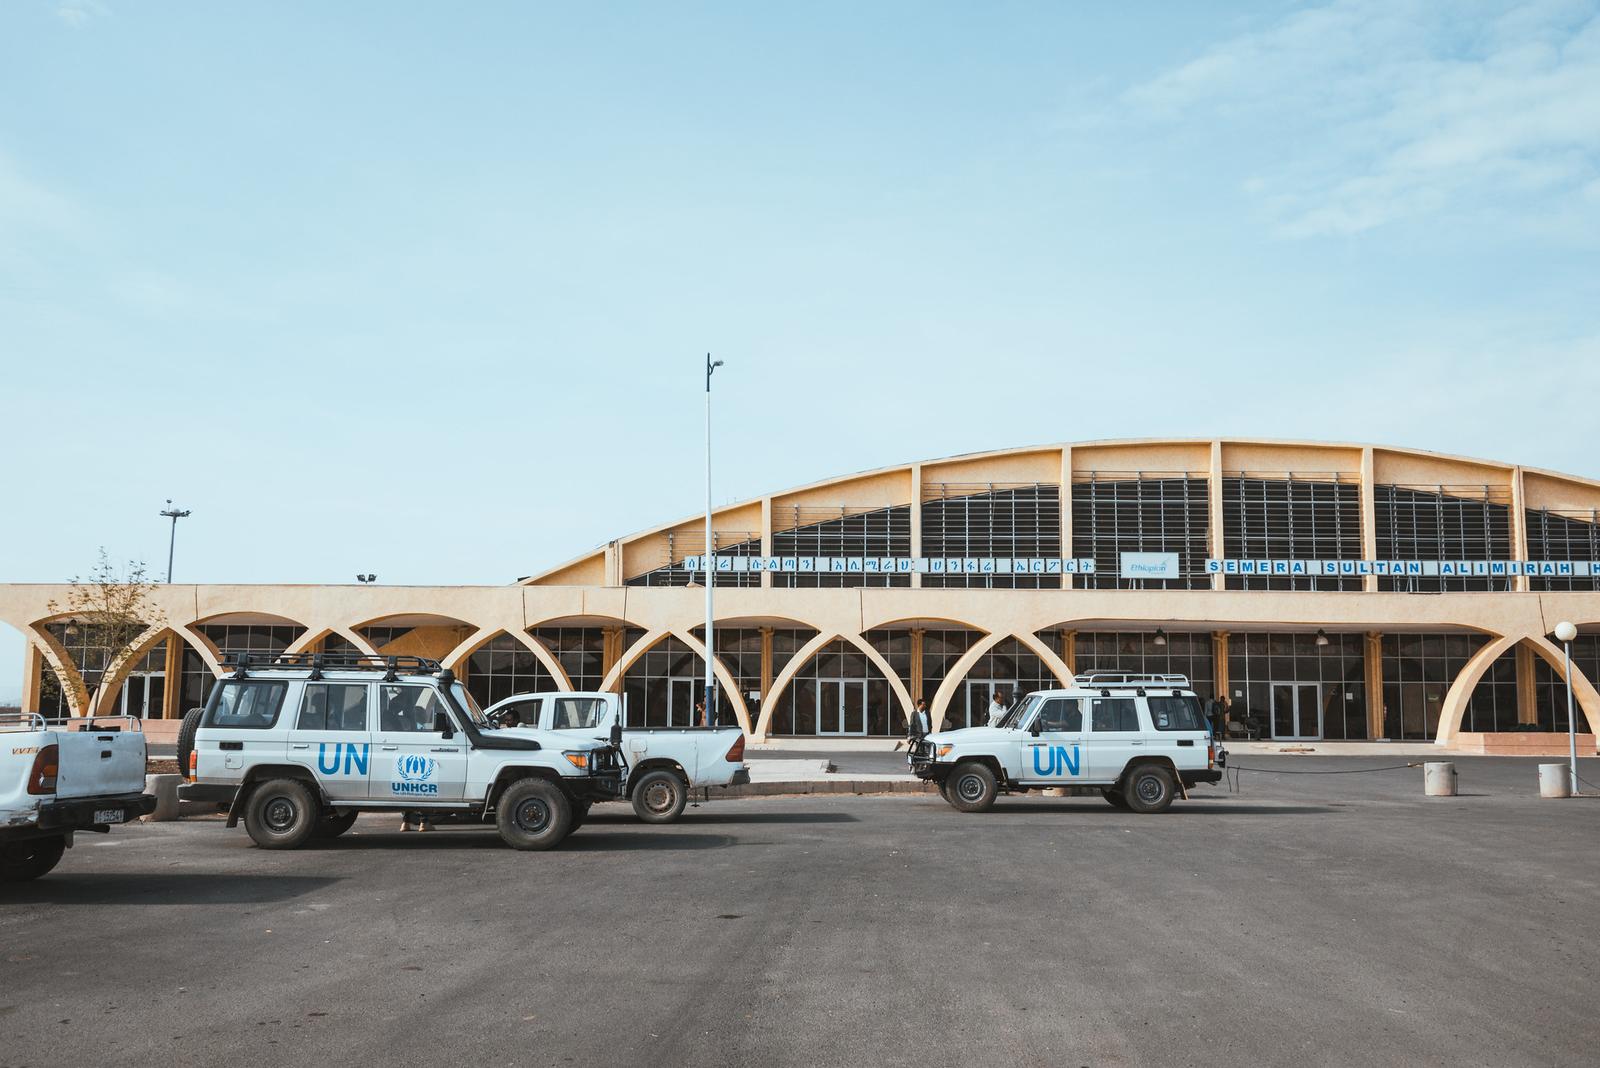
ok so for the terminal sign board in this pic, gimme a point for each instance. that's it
(897, 565)
(1407, 568)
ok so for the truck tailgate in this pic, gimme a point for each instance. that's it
(96, 763)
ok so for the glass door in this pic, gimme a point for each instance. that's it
(681, 695)
(1297, 710)
(841, 706)
(144, 695)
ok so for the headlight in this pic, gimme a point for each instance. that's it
(578, 760)
(943, 750)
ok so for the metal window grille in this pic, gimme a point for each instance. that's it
(723, 543)
(1309, 517)
(990, 520)
(1118, 512)
(1560, 534)
(1443, 523)
(841, 532)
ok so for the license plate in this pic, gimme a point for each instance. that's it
(109, 815)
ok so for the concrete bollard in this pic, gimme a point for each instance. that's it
(165, 789)
(1555, 780)
(1439, 779)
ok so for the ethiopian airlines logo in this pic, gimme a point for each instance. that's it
(414, 773)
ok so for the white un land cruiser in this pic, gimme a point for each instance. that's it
(1135, 739)
(299, 745)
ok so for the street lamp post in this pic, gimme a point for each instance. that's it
(173, 514)
(710, 560)
(1565, 632)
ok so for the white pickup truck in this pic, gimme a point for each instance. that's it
(1137, 740)
(665, 764)
(58, 777)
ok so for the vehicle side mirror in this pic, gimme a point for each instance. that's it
(616, 735)
(1038, 726)
(441, 724)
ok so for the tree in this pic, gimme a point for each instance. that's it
(110, 610)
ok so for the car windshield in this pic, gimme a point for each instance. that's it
(1020, 712)
(464, 699)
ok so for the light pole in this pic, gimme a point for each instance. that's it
(366, 579)
(173, 514)
(711, 563)
(1565, 632)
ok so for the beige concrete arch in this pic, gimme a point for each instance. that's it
(58, 659)
(613, 680)
(1047, 656)
(630, 656)
(800, 659)
(119, 669)
(1583, 689)
(1460, 692)
(316, 635)
(484, 635)
(730, 685)
(808, 652)
(958, 673)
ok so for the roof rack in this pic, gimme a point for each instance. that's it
(1112, 680)
(391, 666)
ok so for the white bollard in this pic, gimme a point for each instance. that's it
(165, 789)
(1439, 779)
(1554, 781)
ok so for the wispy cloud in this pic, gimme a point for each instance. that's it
(1373, 111)
(79, 13)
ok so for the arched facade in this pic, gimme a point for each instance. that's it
(1339, 591)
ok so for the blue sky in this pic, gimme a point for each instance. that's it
(423, 289)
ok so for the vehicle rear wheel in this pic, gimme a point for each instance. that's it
(333, 824)
(533, 814)
(971, 787)
(659, 796)
(282, 814)
(1148, 788)
(191, 723)
(30, 858)
(1114, 798)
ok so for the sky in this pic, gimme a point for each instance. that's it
(424, 290)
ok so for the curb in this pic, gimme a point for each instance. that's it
(828, 786)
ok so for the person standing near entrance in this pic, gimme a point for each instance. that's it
(997, 708)
(917, 728)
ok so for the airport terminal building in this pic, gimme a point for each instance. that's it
(1326, 591)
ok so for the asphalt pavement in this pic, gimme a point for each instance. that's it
(1317, 919)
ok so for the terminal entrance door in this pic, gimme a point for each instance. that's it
(681, 696)
(841, 706)
(980, 692)
(144, 694)
(1296, 710)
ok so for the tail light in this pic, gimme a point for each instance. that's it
(194, 765)
(46, 766)
(1211, 755)
(736, 751)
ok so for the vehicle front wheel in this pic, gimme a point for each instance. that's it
(334, 824)
(533, 814)
(1148, 788)
(971, 787)
(659, 796)
(282, 814)
(30, 858)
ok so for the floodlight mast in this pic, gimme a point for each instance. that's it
(709, 562)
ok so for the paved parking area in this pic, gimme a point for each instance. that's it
(1314, 919)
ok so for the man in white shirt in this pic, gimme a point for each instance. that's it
(997, 708)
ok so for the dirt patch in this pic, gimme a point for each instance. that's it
(161, 767)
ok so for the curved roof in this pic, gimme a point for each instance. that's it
(1062, 463)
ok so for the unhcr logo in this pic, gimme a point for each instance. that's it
(414, 772)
